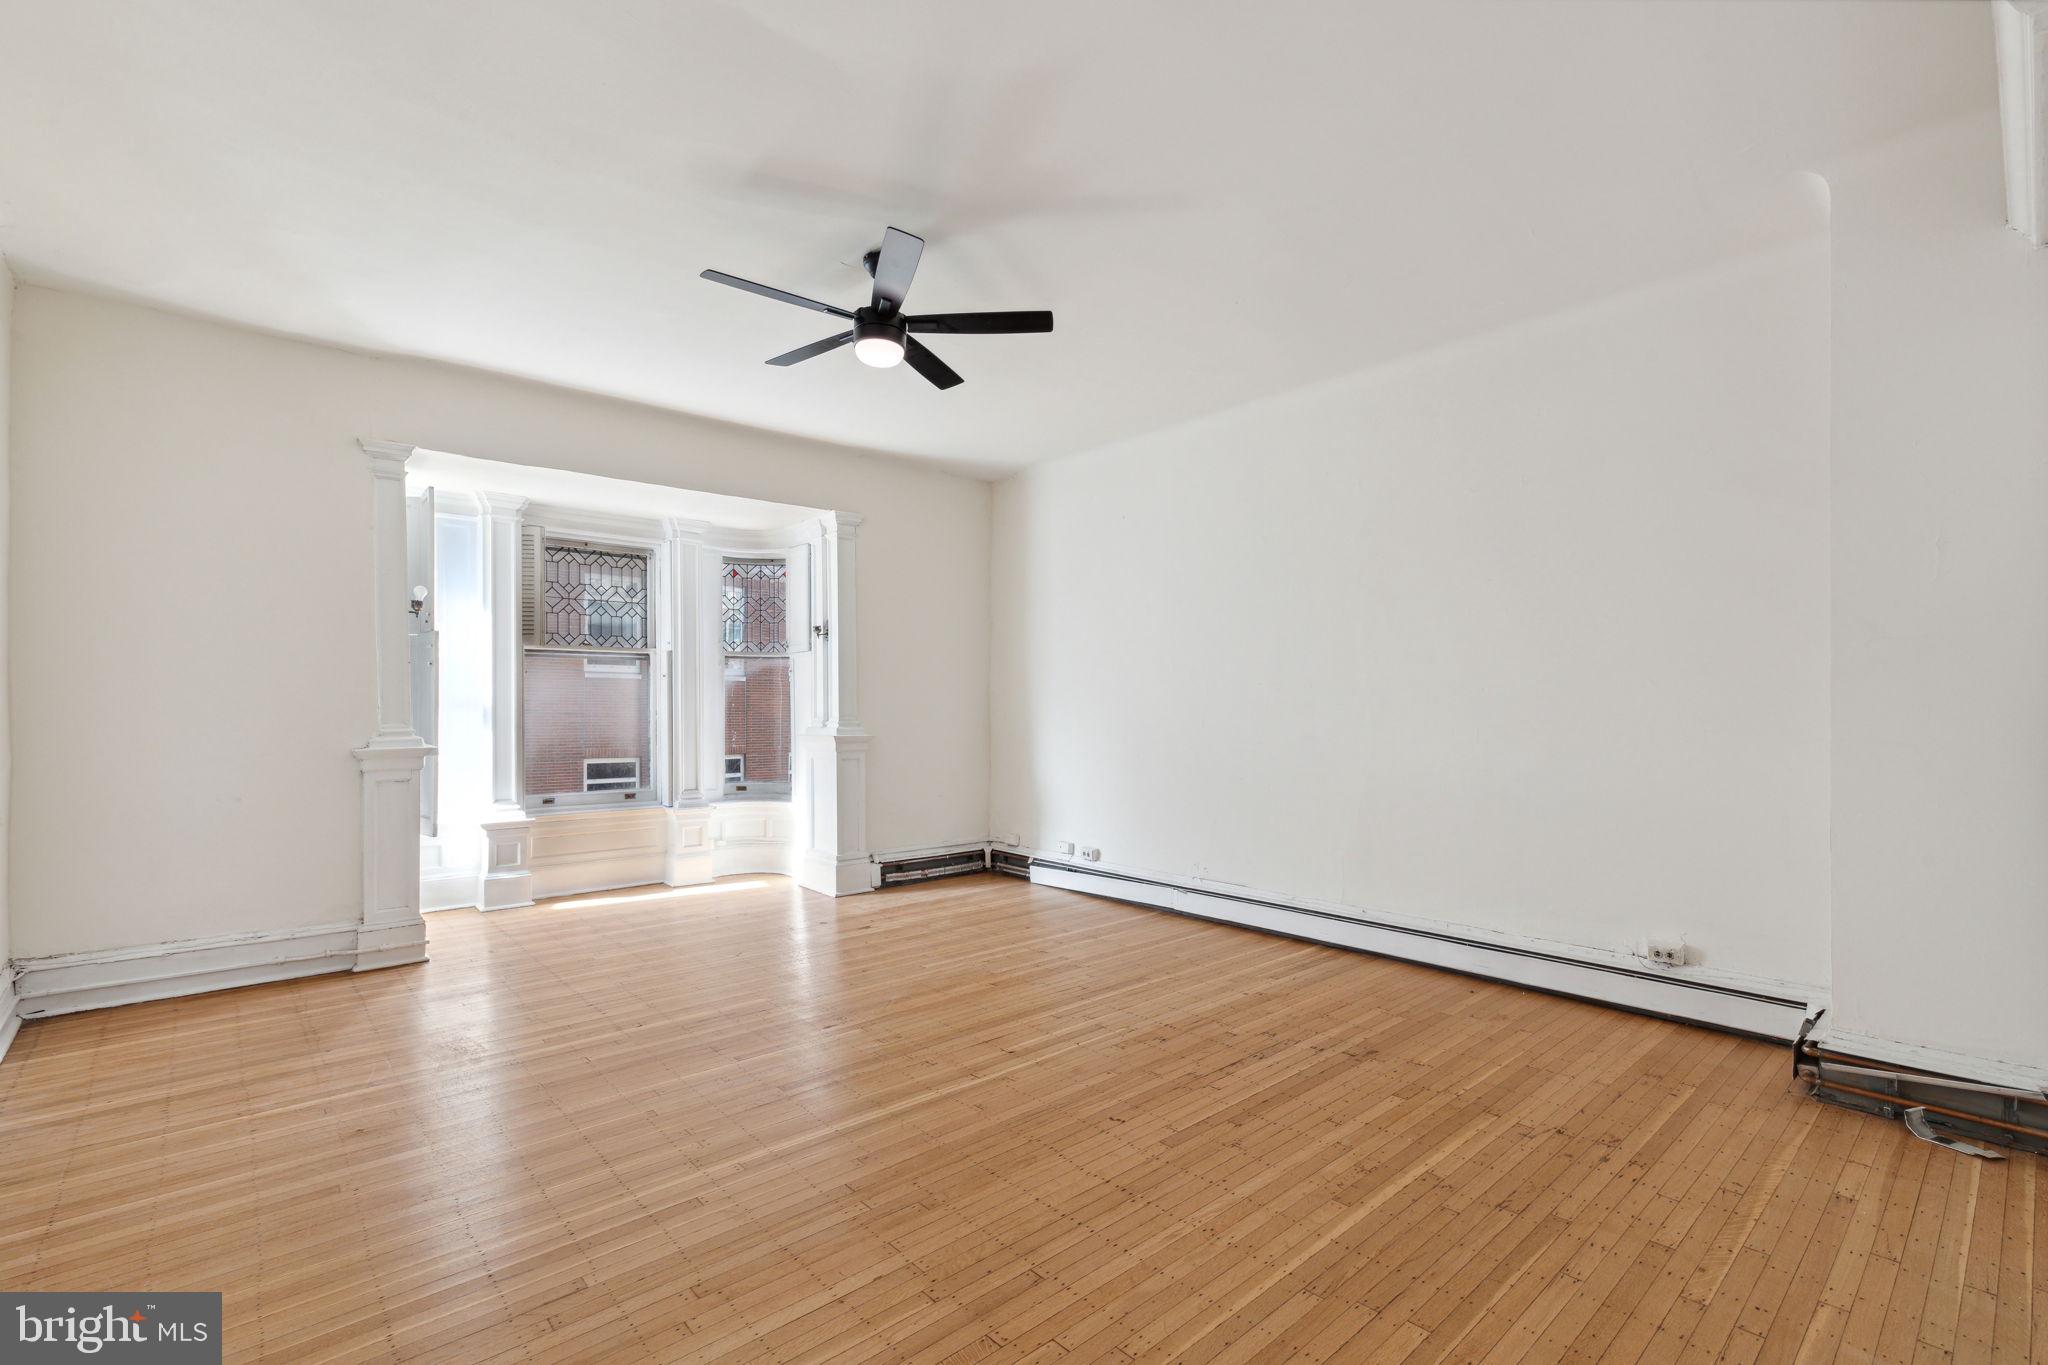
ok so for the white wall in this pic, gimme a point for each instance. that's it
(6, 705)
(1940, 604)
(191, 523)
(1529, 634)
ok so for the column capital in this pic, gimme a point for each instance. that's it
(502, 506)
(387, 458)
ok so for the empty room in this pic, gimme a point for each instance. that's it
(711, 680)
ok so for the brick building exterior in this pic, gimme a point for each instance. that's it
(581, 706)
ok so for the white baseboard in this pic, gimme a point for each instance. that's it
(1962, 1066)
(753, 859)
(10, 1010)
(831, 875)
(70, 982)
(449, 888)
(1766, 1009)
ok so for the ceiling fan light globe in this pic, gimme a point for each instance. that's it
(878, 351)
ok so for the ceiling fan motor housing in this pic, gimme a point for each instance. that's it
(873, 328)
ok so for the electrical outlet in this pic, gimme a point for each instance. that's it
(1665, 952)
(1065, 847)
(1093, 855)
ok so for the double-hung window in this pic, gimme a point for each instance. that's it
(591, 683)
(754, 629)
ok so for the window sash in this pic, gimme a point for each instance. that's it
(646, 794)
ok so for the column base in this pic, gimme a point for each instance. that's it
(692, 859)
(391, 932)
(507, 880)
(832, 779)
(836, 876)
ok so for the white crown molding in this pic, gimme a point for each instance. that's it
(2020, 31)
(579, 522)
(501, 506)
(728, 539)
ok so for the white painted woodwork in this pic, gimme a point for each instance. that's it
(831, 802)
(68, 982)
(503, 518)
(2020, 30)
(390, 932)
(838, 579)
(507, 878)
(685, 627)
(690, 855)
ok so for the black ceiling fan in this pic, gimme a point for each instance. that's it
(881, 334)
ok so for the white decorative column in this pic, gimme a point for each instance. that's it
(507, 877)
(690, 851)
(832, 774)
(391, 931)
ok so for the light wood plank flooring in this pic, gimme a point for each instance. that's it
(978, 1120)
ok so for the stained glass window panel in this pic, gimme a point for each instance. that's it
(594, 599)
(754, 607)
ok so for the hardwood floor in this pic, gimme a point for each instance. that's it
(978, 1120)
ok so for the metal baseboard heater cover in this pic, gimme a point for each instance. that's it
(1650, 991)
(1938, 1108)
(958, 864)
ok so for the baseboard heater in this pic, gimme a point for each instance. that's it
(957, 864)
(1940, 1108)
(1756, 1013)
(1009, 864)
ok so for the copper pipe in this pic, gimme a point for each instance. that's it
(1901, 1102)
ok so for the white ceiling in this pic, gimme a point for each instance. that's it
(1219, 200)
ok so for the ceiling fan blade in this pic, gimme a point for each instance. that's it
(930, 366)
(815, 348)
(770, 292)
(985, 323)
(895, 267)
